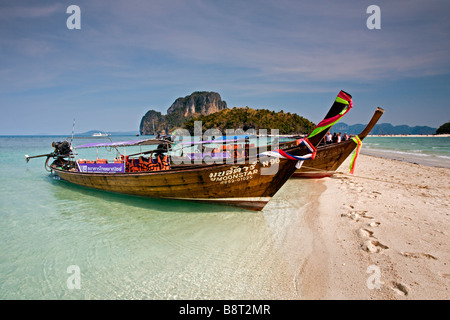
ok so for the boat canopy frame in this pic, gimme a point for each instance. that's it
(124, 144)
(129, 143)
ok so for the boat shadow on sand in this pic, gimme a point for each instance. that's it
(70, 192)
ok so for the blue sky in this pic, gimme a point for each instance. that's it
(132, 56)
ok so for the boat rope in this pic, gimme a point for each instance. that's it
(358, 141)
(340, 175)
(46, 166)
(409, 184)
(343, 98)
(283, 154)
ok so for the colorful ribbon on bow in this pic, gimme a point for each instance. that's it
(283, 154)
(358, 141)
(326, 123)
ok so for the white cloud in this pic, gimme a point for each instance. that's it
(32, 11)
(316, 41)
(244, 47)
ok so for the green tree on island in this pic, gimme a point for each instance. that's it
(444, 129)
(248, 118)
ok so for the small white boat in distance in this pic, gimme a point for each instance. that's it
(100, 134)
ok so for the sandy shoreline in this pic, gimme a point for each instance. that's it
(381, 233)
(427, 161)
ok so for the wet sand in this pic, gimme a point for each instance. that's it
(381, 233)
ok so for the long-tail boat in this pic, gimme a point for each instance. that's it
(329, 157)
(248, 185)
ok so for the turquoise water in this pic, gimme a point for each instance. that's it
(134, 248)
(128, 247)
(431, 151)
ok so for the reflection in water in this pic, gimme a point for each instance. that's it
(293, 239)
(67, 191)
(137, 248)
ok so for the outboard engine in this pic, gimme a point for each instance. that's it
(61, 148)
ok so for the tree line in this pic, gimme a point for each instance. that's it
(248, 118)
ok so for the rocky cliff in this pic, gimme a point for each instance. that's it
(196, 104)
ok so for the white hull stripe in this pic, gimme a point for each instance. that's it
(248, 199)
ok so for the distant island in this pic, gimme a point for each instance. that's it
(247, 118)
(209, 108)
(91, 133)
(384, 129)
(444, 129)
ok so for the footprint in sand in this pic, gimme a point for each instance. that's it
(373, 194)
(364, 233)
(373, 246)
(356, 215)
(400, 288)
(418, 255)
(374, 224)
(355, 187)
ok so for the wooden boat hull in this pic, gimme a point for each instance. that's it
(250, 184)
(241, 185)
(328, 160)
(330, 157)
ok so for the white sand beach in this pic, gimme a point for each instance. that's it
(381, 233)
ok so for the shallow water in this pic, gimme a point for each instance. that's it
(136, 248)
(430, 151)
